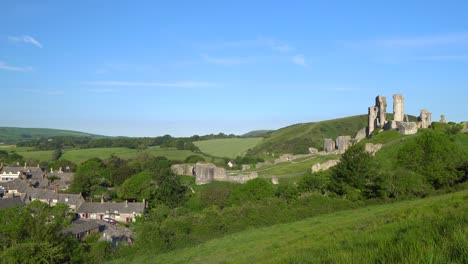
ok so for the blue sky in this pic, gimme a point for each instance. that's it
(149, 68)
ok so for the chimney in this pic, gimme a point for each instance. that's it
(60, 170)
(17, 163)
(126, 203)
(102, 199)
(25, 165)
(144, 202)
(38, 166)
(51, 170)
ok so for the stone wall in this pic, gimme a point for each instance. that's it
(207, 172)
(407, 128)
(425, 119)
(343, 143)
(182, 169)
(398, 108)
(373, 148)
(360, 135)
(324, 166)
(328, 145)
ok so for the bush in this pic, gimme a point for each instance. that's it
(253, 190)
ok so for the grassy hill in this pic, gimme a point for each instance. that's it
(298, 138)
(227, 147)
(431, 230)
(257, 133)
(12, 135)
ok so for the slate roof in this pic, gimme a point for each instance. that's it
(11, 202)
(43, 194)
(102, 208)
(17, 184)
(82, 225)
(11, 169)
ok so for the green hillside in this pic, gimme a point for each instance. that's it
(298, 138)
(431, 230)
(12, 135)
(227, 147)
(257, 133)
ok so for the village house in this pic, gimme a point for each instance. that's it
(81, 228)
(124, 212)
(10, 174)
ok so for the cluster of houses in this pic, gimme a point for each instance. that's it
(20, 185)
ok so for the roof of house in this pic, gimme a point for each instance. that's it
(10, 169)
(11, 202)
(82, 225)
(18, 185)
(66, 198)
(125, 208)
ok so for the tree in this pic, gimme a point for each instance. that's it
(56, 154)
(252, 190)
(90, 174)
(138, 187)
(433, 155)
(215, 195)
(356, 175)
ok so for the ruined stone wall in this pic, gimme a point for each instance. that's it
(407, 128)
(328, 145)
(182, 169)
(373, 148)
(398, 108)
(360, 135)
(207, 172)
(381, 104)
(425, 119)
(343, 143)
(324, 166)
(372, 119)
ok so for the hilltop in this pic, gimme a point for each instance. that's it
(12, 135)
(298, 138)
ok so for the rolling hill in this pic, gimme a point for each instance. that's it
(227, 147)
(12, 135)
(298, 138)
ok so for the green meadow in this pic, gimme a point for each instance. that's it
(431, 230)
(80, 155)
(227, 147)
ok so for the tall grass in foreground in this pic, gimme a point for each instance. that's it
(431, 230)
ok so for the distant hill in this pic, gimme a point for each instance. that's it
(257, 133)
(12, 135)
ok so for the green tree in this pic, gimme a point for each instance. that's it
(89, 175)
(138, 187)
(252, 190)
(215, 195)
(356, 175)
(435, 156)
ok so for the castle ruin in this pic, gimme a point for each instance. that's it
(400, 122)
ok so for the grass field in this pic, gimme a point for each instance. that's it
(228, 147)
(431, 230)
(80, 155)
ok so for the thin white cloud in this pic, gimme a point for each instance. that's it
(423, 41)
(6, 67)
(224, 61)
(26, 39)
(299, 59)
(182, 84)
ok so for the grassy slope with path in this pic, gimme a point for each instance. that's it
(227, 147)
(431, 230)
